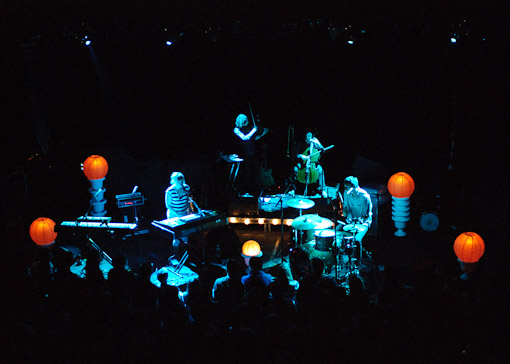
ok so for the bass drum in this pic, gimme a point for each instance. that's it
(429, 221)
(299, 260)
(301, 257)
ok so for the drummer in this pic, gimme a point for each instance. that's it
(357, 207)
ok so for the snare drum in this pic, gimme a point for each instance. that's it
(324, 239)
(348, 245)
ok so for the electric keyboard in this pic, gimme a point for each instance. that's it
(100, 225)
(192, 223)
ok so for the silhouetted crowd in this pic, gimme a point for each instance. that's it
(248, 315)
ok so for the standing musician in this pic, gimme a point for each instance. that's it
(246, 136)
(307, 169)
(178, 204)
(357, 208)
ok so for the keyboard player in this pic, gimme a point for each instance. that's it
(178, 203)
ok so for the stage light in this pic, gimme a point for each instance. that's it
(95, 167)
(86, 40)
(168, 43)
(453, 40)
(42, 231)
(251, 249)
(401, 187)
(260, 221)
(469, 248)
(275, 221)
(233, 220)
(247, 221)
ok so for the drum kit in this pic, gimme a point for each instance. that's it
(317, 237)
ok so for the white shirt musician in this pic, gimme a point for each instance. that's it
(357, 207)
(177, 196)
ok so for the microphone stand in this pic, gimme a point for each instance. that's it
(199, 210)
(280, 201)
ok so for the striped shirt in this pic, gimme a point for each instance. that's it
(176, 204)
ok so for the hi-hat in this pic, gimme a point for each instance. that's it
(300, 203)
(351, 228)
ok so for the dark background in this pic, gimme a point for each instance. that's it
(399, 98)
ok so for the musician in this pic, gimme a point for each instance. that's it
(177, 196)
(178, 203)
(308, 160)
(357, 207)
(246, 137)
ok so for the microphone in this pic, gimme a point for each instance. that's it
(134, 189)
(98, 191)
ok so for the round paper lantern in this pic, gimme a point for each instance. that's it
(95, 167)
(469, 247)
(42, 231)
(401, 185)
(251, 249)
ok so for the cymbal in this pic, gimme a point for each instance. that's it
(304, 223)
(310, 218)
(351, 228)
(300, 203)
(324, 224)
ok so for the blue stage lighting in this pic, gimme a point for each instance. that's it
(86, 40)
(350, 41)
(453, 40)
(168, 43)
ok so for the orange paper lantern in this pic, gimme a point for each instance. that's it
(401, 185)
(251, 249)
(95, 167)
(469, 247)
(42, 231)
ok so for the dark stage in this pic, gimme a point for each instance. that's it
(390, 87)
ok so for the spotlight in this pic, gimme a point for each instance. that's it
(453, 40)
(168, 42)
(86, 40)
(350, 41)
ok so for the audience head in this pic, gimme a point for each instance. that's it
(255, 263)
(317, 266)
(119, 261)
(233, 268)
(162, 277)
(355, 284)
(145, 270)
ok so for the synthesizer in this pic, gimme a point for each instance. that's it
(99, 225)
(192, 223)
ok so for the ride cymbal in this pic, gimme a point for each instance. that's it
(300, 203)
